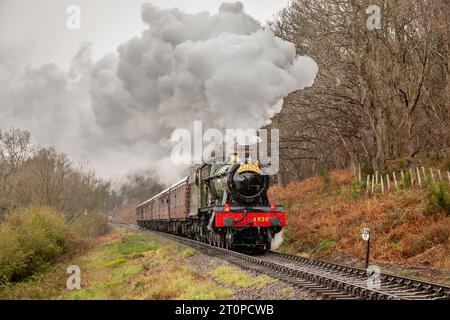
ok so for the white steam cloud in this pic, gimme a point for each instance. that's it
(120, 111)
(277, 241)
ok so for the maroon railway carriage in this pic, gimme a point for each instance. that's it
(167, 209)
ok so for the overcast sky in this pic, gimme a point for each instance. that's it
(114, 91)
(38, 27)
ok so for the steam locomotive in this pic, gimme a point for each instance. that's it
(224, 204)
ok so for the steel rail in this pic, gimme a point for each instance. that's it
(412, 288)
(328, 280)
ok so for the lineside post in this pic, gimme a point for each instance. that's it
(366, 237)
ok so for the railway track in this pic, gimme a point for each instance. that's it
(327, 280)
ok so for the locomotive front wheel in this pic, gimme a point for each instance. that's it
(229, 239)
(217, 240)
(210, 238)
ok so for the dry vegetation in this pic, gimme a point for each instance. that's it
(326, 218)
(125, 213)
(48, 206)
(34, 237)
(131, 265)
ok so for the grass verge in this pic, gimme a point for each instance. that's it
(231, 276)
(124, 265)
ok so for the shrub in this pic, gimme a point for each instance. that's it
(406, 180)
(357, 188)
(90, 225)
(287, 203)
(12, 257)
(446, 163)
(30, 237)
(324, 246)
(437, 198)
(398, 164)
(377, 189)
(324, 172)
(366, 167)
(438, 233)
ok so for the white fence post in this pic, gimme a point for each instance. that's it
(388, 182)
(359, 173)
(425, 178)
(368, 183)
(418, 176)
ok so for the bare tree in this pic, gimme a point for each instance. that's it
(15, 149)
(141, 186)
(380, 95)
